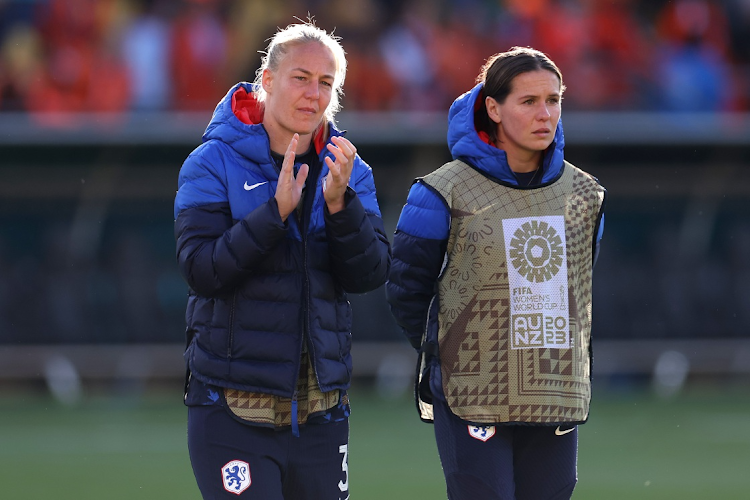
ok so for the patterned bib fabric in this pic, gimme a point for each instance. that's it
(273, 410)
(515, 296)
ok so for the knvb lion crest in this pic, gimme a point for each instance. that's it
(236, 476)
(482, 433)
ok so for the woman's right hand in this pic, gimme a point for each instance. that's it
(289, 189)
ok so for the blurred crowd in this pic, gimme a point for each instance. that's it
(175, 55)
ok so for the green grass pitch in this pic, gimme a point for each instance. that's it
(696, 446)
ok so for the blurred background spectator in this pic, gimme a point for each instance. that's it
(146, 48)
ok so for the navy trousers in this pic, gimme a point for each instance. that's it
(505, 462)
(231, 459)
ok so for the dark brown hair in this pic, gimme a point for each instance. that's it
(497, 75)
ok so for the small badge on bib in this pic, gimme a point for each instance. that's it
(482, 433)
(236, 476)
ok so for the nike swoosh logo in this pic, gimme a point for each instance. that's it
(558, 432)
(248, 188)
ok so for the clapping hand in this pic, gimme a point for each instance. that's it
(339, 171)
(289, 189)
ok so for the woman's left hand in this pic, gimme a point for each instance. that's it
(339, 172)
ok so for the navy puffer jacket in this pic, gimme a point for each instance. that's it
(260, 287)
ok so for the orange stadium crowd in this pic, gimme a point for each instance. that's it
(158, 55)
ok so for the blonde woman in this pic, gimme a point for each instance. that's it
(276, 221)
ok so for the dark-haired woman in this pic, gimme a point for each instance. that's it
(491, 283)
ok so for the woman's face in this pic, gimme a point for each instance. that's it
(528, 118)
(299, 90)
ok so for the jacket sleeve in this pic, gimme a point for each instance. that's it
(358, 247)
(214, 253)
(419, 246)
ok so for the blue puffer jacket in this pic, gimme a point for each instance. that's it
(423, 228)
(260, 287)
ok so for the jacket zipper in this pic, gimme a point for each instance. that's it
(306, 328)
(304, 225)
(231, 326)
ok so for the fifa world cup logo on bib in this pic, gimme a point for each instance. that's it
(538, 280)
